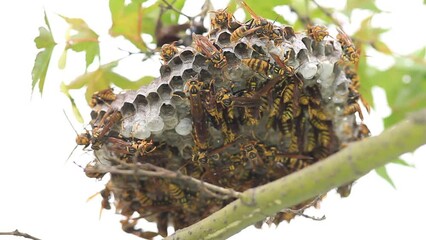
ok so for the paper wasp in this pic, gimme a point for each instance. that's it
(177, 193)
(210, 158)
(318, 123)
(293, 161)
(324, 138)
(353, 108)
(215, 55)
(279, 34)
(252, 114)
(91, 171)
(133, 147)
(254, 160)
(225, 100)
(266, 68)
(355, 85)
(128, 225)
(82, 139)
(311, 141)
(263, 67)
(221, 20)
(105, 125)
(266, 27)
(168, 51)
(143, 199)
(106, 196)
(219, 107)
(210, 104)
(290, 100)
(243, 31)
(345, 190)
(287, 104)
(192, 89)
(318, 33)
(234, 167)
(283, 163)
(363, 131)
(283, 62)
(349, 50)
(104, 96)
(320, 152)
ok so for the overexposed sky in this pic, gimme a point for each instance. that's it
(46, 197)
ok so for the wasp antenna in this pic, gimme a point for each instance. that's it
(91, 197)
(78, 165)
(275, 20)
(69, 156)
(69, 121)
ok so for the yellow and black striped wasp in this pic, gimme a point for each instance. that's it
(105, 125)
(317, 32)
(266, 28)
(193, 90)
(351, 53)
(168, 51)
(104, 96)
(214, 54)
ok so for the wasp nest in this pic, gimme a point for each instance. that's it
(241, 107)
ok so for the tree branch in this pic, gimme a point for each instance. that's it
(19, 234)
(347, 165)
(150, 170)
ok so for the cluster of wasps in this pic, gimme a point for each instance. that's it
(254, 120)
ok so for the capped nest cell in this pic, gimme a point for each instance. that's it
(241, 107)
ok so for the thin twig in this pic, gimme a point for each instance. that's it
(170, 6)
(19, 234)
(150, 170)
(328, 14)
(299, 211)
(306, 20)
(212, 187)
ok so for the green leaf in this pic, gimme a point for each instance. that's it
(263, 9)
(63, 59)
(401, 162)
(420, 53)
(93, 81)
(75, 110)
(404, 84)
(41, 64)
(366, 33)
(149, 19)
(232, 6)
(383, 173)
(44, 39)
(80, 38)
(404, 97)
(46, 42)
(360, 4)
(171, 17)
(128, 21)
(382, 47)
(317, 13)
(125, 83)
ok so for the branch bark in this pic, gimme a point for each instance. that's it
(347, 165)
(19, 234)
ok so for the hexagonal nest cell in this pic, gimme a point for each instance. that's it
(235, 114)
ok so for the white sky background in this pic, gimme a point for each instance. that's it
(45, 197)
